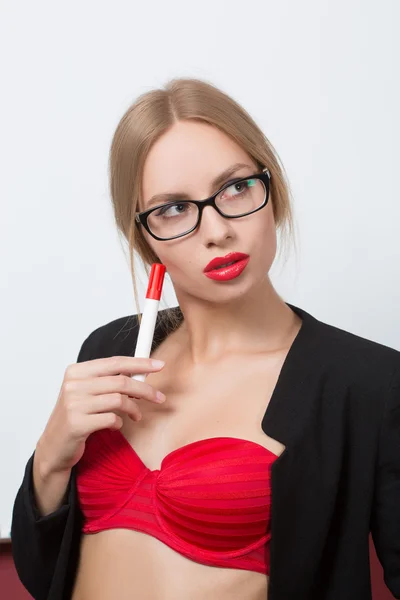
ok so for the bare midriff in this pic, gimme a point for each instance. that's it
(122, 564)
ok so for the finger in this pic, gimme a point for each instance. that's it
(113, 365)
(103, 421)
(115, 384)
(110, 403)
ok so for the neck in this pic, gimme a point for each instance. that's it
(261, 322)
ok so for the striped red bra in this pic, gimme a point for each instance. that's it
(210, 500)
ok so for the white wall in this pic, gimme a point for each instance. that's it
(322, 80)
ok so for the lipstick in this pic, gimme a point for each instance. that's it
(149, 315)
(228, 272)
(223, 261)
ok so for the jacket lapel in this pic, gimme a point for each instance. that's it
(304, 477)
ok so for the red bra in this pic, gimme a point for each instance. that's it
(210, 500)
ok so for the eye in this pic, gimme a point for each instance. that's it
(238, 188)
(167, 210)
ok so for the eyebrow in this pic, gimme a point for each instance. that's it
(216, 183)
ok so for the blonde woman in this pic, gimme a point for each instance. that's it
(253, 461)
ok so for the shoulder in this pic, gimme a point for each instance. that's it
(351, 357)
(118, 337)
(115, 338)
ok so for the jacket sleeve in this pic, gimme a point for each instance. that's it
(45, 548)
(385, 522)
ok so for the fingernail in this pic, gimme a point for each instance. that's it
(157, 363)
(160, 396)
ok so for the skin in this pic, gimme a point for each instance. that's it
(226, 317)
(230, 350)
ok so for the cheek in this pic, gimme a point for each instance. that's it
(264, 238)
(269, 225)
(156, 246)
(263, 227)
(173, 255)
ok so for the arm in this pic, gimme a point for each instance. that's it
(385, 519)
(45, 543)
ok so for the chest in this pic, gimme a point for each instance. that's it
(228, 399)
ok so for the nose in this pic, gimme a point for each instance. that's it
(213, 226)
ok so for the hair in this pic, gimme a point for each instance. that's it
(145, 121)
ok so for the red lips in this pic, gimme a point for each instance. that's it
(223, 260)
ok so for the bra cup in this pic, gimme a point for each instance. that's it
(221, 487)
(210, 499)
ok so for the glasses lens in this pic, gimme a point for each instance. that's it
(241, 197)
(173, 219)
(178, 218)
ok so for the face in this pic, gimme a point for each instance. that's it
(186, 159)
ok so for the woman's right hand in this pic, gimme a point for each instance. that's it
(91, 394)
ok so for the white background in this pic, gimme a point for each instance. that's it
(320, 78)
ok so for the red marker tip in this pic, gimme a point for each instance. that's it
(156, 281)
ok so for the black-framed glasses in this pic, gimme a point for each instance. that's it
(237, 198)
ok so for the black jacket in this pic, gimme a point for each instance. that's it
(336, 408)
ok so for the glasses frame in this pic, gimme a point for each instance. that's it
(141, 217)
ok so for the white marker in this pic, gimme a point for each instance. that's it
(149, 315)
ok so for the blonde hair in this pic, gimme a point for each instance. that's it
(148, 118)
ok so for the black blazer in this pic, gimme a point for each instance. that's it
(336, 408)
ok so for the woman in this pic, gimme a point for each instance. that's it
(274, 447)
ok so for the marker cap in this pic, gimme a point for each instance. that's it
(156, 281)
